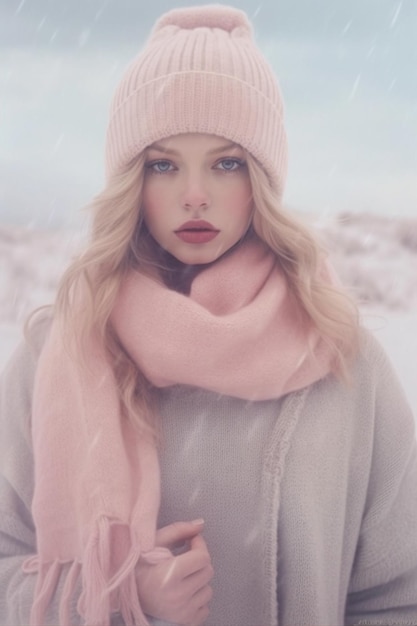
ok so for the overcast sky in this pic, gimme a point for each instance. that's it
(347, 71)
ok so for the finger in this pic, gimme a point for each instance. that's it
(200, 617)
(202, 597)
(177, 532)
(192, 561)
(199, 579)
(197, 543)
(198, 607)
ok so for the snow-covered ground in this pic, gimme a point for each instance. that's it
(397, 331)
(375, 257)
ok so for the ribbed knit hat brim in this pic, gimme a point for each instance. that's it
(200, 72)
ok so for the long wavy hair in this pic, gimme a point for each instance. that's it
(119, 241)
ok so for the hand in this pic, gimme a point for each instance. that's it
(177, 588)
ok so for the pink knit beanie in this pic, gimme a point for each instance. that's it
(200, 72)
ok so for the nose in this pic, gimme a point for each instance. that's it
(195, 194)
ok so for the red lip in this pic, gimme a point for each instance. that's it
(196, 225)
(197, 232)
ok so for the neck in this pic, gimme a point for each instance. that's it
(179, 276)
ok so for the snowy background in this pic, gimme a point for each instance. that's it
(347, 72)
(346, 69)
(375, 257)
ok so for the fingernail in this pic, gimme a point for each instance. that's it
(198, 521)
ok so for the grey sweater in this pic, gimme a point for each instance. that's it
(310, 501)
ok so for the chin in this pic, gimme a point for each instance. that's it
(197, 259)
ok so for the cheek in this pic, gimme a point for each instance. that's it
(153, 203)
(241, 203)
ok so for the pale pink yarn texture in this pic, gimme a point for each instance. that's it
(200, 71)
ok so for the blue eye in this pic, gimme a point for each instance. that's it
(230, 165)
(159, 167)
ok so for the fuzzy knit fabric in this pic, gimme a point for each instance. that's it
(200, 72)
(96, 493)
(337, 477)
(238, 333)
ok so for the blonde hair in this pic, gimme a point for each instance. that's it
(93, 279)
(329, 308)
(116, 245)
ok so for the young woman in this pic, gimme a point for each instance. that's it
(200, 432)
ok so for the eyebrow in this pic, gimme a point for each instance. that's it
(223, 148)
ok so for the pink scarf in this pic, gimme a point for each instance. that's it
(238, 333)
(97, 485)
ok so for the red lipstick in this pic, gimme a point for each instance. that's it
(197, 231)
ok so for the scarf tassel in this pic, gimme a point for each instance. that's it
(67, 594)
(48, 576)
(103, 591)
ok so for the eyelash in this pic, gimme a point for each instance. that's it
(238, 162)
(152, 165)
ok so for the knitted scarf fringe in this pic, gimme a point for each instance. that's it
(98, 583)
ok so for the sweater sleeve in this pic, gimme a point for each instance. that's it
(383, 584)
(17, 532)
